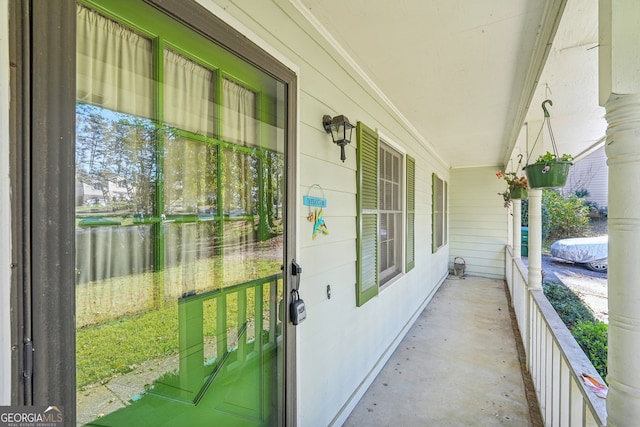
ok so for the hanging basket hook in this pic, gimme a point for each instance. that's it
(546, 113)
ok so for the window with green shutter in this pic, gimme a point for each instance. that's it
(439, 211)
(367, 208)
(383, 210)
(411, 205)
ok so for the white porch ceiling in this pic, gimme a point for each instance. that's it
(464, 72)
(570, 80)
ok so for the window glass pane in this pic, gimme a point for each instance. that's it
(115, 187)
(188, 94)
(190, 215)
(391, 227)
(115, 164)
(190, 177)
(397, 199)
(239, 114)
(439, 211)
(391, 213)
(114, 65)
(384, 256)
(116, 209)
(397, 172)
(240, 180)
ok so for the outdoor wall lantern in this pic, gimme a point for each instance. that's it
(340, 129)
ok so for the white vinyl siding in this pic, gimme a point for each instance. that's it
(590, 173)
(479, 221)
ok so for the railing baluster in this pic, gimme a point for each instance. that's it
(191, 343)
(555, 383)
(552, 357)
(221, 326)
(556, 398)
(274, 304)
(548, 371)
(242, 320)
(576, 405)
(259, 317)
(565, 394)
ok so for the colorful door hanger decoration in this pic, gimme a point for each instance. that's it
(316, 216)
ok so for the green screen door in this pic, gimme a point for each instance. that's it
(180, 173)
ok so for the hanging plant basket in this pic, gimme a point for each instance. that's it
(553, 175)
(550, 170)
(518, 193)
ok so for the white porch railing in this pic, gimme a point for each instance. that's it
(554, 359)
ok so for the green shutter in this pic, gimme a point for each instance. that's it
(445, 213)
(367, 209)
(434, 213)
(411, 206)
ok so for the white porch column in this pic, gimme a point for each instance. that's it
(517, 235)
(535, 147)
(623, 152)
(535, 239)
(619, 59)
(534, 277)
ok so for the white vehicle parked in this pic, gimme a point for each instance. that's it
(590, 251)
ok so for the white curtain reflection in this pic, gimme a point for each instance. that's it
(114, 66)
(188, 94)
(239, 123)
(113, 252)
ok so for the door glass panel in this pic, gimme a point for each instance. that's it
(239, 111)
(188, 94)
(179, 231)
(114, 65)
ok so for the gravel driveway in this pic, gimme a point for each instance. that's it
(590, 286)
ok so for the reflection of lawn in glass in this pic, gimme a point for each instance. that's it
(130, 332)
(104, 300)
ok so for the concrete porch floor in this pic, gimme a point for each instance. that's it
(459, 365)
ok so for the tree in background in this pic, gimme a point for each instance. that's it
(562, 217)
(569, 215)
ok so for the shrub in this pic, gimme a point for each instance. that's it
(561, 217)
(593, 209)
(589, 333)
(567, 304)
(592, 338)
(569, 216)
(582, 193)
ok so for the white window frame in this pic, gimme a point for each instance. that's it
(443, 231)
(386, 277)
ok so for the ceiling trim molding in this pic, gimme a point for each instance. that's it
(548, 26)
(485, 166)
(328, 37)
